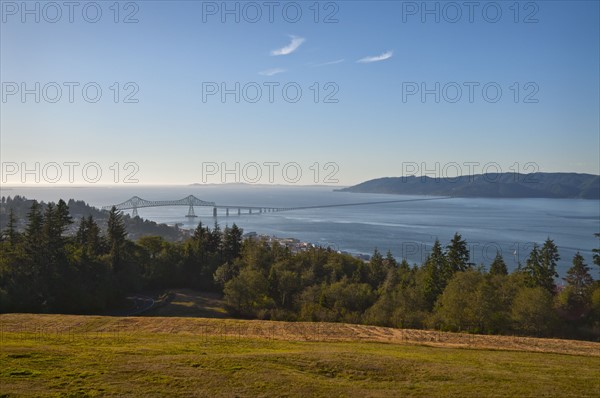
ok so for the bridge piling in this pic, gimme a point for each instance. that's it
(191, 213)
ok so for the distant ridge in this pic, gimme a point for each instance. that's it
(492, 185)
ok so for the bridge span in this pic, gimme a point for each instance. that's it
(191, 201)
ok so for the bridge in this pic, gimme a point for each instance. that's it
(191, 201)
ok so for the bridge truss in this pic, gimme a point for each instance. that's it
(136, 202)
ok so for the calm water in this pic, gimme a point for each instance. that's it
(407, 229)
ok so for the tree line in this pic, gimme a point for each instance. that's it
(46, 269)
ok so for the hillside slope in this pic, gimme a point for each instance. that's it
(504, 185)
(57, 355)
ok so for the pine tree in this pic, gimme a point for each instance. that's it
(93, 240)
(34, 232)
(390, 261)
(457, 258)
(541, 266)
(214, 239)
(81, 234)
(34, 271)
(578, 276)
(533, 266)
(11, 229)
(498, 266)
(50, 233)
(232, 242)
(200, 234)
(549, 258)
(116, 238)
(434, 282)
(63, 219)
(377, 271)
(88, 236)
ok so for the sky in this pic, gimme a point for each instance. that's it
(305, 92)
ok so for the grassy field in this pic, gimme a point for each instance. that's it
(57, 355)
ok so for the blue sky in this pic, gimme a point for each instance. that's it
(177, 48)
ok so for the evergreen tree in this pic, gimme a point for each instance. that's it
(498, 266)
(88, 236)
(434, 282)
(548, 259)
(81, 234)
(94, 239)
(11, 229)
(214, 239)
(34, 267)
(457, 257)
(200, 234)
(377, 271)
(51, 234)
(541, 266)
(232, 242)
(390, 261)
(578, 276)
(116, 238)
(34, 244)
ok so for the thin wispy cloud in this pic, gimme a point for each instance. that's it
(337, 61)
(290, 48)
(271, 72)
(377, 58)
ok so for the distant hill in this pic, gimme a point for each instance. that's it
(493, 185)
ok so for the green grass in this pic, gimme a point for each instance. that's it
(163, 364)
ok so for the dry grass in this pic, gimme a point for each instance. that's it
(73, 325)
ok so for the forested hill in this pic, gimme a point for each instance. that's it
(493, 185)
(136, 226)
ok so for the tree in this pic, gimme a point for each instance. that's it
(549, 258)
(62, 217)
(532, 311)
(541, 266)
(116, 238)
(498, 266)
(232, 242)
(247, 293)
(432, 278)
(377, 270)
(11, 229)
(200, 234)
(215, 239)
(457, 256)
(390, 261)
(457, 306)
(578, 276)
(33, 231)
(574, 301)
